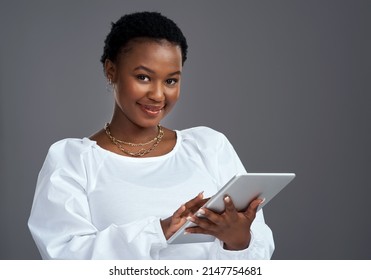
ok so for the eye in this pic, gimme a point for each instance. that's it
(171, 82)
(143, 78)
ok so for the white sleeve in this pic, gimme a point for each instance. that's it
(60, 220)
(226, 164)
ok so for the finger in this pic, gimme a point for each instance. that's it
(203, 223)
(194, 201)
(205, 213)
(178, 213)
(197, 229)
(253, 207)
(193, 205)
(230, 209)
(197, 206)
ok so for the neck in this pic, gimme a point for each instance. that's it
(124, 129)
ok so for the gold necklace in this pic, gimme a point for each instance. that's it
(142, 151)
(106, 127)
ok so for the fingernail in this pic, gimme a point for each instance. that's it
(201, 194)
(190, 218)
(200, 212)
(227, 199)
(261, 202)
(186, 232)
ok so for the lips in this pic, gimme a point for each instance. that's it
(151, 110)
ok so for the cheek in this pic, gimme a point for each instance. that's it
(173, 96)
(171, 100)
(130, 90)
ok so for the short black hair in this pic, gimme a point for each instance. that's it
(151, 25)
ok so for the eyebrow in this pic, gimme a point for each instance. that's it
(141, 67)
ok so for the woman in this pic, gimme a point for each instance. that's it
(121, 193)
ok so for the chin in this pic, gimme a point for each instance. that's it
(148, 123)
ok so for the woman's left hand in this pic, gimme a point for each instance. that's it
(231, 227)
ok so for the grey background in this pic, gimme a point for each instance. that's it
(287, 81)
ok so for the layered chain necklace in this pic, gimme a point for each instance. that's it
(142, 151)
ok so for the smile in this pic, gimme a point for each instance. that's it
(151, 110)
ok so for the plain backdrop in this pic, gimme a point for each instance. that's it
(288, 82)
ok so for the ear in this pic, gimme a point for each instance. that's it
(110, 70)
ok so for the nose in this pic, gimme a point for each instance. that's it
(157, 92)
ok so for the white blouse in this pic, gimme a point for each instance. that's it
(91, 203)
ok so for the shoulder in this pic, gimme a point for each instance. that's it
(217, 153)
(205, 137)
(69, 156)
(202, 133)
(69, 150)
(71, 145)
(68, 160)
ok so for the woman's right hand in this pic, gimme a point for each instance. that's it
(171, 224)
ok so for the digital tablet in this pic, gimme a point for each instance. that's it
(242, 188)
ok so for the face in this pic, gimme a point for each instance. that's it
(146, 81)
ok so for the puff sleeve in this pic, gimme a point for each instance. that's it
(60, 220)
